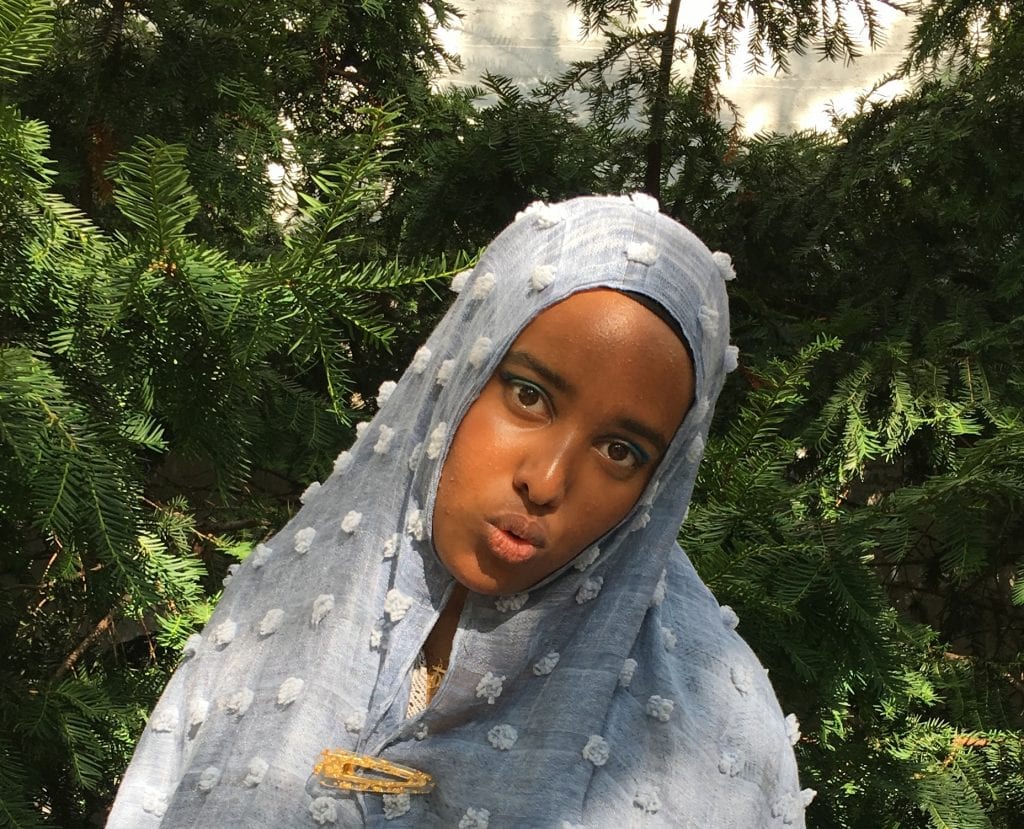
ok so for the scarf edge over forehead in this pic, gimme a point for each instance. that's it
(616, 690)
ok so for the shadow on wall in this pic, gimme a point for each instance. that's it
(802, 99)
(528, 43)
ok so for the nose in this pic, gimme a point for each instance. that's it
(544, 473)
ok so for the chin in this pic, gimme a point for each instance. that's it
(469, 572)
(486, 585)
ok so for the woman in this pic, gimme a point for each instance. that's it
(507, 522)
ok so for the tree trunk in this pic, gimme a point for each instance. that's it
(101, 145)
(659, 105)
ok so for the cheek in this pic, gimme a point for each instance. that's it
(470, 453)
(606, 504)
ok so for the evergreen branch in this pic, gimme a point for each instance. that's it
(153, 192)
(353, 172)
(764, 409)
(26, 35)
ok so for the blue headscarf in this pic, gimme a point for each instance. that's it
(614, 693)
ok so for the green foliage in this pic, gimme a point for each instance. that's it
(155, 195)
(25, 36)
(162, 403)
(956, 34)
(770, 30)
(873, 554)
(894, 723)
(475, 168)
(278, 84)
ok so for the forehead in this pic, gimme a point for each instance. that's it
(602, 341)
(604, 317)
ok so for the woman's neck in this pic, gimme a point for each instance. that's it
(438, 647)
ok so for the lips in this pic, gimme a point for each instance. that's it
(516, 538)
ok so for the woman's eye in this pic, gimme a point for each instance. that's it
(624, 454)
(619, 451)
(525, 395)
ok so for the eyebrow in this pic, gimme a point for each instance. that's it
(644, 431)
(524, 358)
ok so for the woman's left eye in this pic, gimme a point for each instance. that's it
(524, 394)
(528, 396)
(624, 454)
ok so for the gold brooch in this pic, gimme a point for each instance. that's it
(344, 770)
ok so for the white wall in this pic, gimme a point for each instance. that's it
(530, 40)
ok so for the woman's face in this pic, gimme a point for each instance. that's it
(561, 442)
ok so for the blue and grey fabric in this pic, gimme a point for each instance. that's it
(615, 693)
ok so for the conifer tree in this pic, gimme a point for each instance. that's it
(163, 403)
(883, 569)
(176, 364)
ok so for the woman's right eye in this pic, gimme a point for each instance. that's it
(528, 396)
(525, 395)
